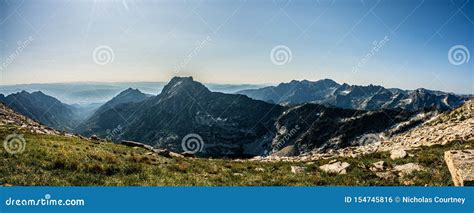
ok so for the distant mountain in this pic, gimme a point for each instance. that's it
(232, 88)
(128, 96)
(369, 97)
(87, 93)
(69, 93)
(295, 92)
(42, 108)
(235, 125)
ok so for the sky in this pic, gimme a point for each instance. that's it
(405, 44)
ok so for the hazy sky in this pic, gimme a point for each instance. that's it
(402, 43)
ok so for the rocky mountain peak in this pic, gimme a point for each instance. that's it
(23, 93)
(183, 84)
(38, 93)
(129, 95)
(130, 92)
(328, 82)
(323, 82)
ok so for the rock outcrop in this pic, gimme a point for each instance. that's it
(398, 154)
(461, 166)
(136, 144)
(378, 166)
(335, 168)
(407, 169)
(297, 169)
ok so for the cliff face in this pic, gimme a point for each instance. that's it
(454, 126)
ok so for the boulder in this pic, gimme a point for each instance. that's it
(378, 166)
(335, 168)
(187, 154)
(136, 144)
(461, 166)
(398, 154)
(162, 152)
(407, 169)
(176, 155)
(297, 169)
(385, 175)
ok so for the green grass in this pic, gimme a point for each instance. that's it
(62, 161)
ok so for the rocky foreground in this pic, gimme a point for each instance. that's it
(455, 127)
(10, 117)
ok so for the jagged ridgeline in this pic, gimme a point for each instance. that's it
(236, 125)
(43, 108)
(329, 92)
(290, 119)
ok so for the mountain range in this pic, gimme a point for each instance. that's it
(411, 158)
(236, 125)
(224, 121)
(328, 92)
(288, 119)
(93, 93)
